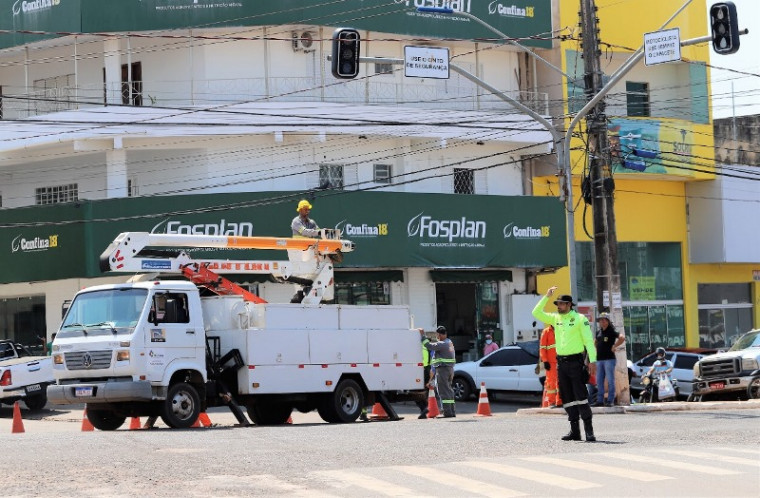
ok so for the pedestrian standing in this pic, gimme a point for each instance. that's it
(607, 341)
(490, 346)
(443, 362)
(573, 336)
(547, 354)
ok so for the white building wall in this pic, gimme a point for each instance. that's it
(421, 297)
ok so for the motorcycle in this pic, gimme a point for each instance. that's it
(651, 382)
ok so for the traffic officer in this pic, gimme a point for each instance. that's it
(443, 362)
(302, 225)
(573, 336)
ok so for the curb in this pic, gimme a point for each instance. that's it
(676, 406)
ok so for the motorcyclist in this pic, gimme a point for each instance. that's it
(661, 365)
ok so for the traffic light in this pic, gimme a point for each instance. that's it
(725, 28)
(345, 53)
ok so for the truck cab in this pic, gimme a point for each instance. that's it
(732, 374)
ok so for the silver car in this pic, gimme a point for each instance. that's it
(509, 369)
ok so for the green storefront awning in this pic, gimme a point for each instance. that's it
(356, 277)
(470, 276)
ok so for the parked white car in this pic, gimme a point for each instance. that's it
(509, 369)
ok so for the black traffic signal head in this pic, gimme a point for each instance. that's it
(345, 53)
(725, 28)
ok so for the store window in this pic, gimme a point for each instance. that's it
(22, 320)
(649, 271)
(725, 313)
(363, 293)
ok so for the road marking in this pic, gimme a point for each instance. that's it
(710, 456)
(470, 486)
(232, 483)
(532, 475)
(738, 450)
(369, 483)
(659, 462)
(601, 469)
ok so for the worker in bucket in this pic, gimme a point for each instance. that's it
(302, 225)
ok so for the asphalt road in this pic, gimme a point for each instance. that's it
(703, 450)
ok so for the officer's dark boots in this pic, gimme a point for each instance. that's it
(589, 429)
(575, 432)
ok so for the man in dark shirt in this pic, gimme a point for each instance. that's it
(607, 340)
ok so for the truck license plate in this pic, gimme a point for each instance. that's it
(33, 388)
(717, 385)
(83, 392)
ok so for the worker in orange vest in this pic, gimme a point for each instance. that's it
(547, 354)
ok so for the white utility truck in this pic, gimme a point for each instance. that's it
(23, 376)
(169, 347)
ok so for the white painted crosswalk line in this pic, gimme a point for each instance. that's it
(661, 462)
(711, 456)
(755, 452)
(532, 475)
(470, 486)
(364, 481)
(600, 469)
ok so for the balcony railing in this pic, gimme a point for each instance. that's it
(17, 102)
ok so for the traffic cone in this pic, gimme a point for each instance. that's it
(197, 423)
(18, 424)
(203, 417)
(290, 420)
(86, 424)
(378, 413)
(134, 424)
(433, 410)
(484, 408)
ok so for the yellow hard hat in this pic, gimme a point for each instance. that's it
(303, 204)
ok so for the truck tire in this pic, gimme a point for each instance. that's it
(462, 389)
(344, 404)
(181, 407)
(753, 389)
(269, 414)
(35, 403)
(105, 420)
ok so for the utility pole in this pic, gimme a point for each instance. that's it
(602, 188)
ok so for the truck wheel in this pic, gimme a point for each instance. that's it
(269, 414)
(181, 407)
(753, 389)
(344, 404)
(462, 389)
(35, 403)
(105, 420)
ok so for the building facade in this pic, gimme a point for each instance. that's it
(193, 116)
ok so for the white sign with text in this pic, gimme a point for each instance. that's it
(662, 46)
(426, 62)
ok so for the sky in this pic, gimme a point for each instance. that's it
(746, 88)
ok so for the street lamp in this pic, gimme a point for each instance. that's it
(563, 162)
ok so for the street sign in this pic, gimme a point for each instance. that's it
(426, 62)
(662, 46)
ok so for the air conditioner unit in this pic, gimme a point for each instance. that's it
(303, 41)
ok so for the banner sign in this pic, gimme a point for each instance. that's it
(648, 146)
(389, 229)
(529, 21)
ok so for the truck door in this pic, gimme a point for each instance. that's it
(170, 333)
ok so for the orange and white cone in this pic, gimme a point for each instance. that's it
(134, 424)
(18, 423)
(205, 421)
(433, 410)
(484, 407)
(378, 413)
(86, 424)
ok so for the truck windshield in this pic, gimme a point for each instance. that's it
(111, 308)
(748, 340)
